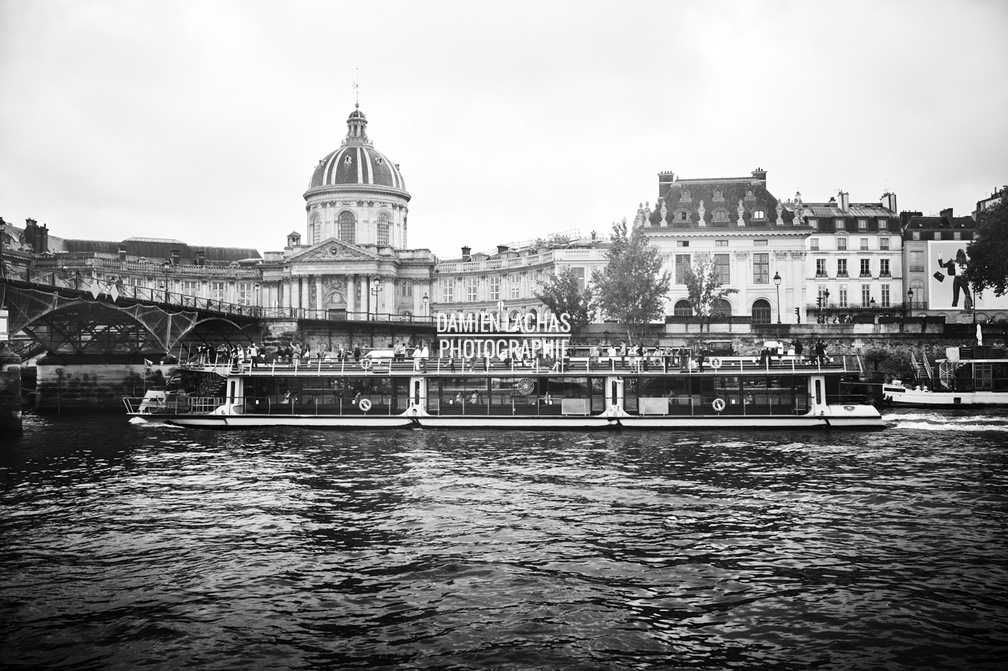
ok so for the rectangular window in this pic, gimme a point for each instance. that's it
(820, 267)
(865, 267)
(244, 293)
(190, 287)
(917, 262)
(865, 295)
(682, 262)
(838, 224)
(883, 243)
(406, 289)
(841, 244)
(761, 268)
(843, 295)
(720, 243)
(885, 295)
(579, 273)
(218, 291)
(841, 267)
(721, 265)
(814, 244)
(682, 243)
(862, 224)
(883, 224)
(822, 296)
(448, 290)
(515, 287)
(495, 284)
(884, 268)
(864, 244)
(813, 223)
(472, 289)
(759, 243)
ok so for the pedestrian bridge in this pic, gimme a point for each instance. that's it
(52, 313)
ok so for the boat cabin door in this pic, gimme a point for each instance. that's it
(417, 396)
(817, 394)
(614, 395)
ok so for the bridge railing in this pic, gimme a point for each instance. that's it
(60, 279)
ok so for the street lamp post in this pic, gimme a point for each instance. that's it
(375, 288)
(426, 300)
(910, 302)
(167, 267)
(777, 281)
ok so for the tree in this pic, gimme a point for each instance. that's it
(704, 287)
(563, 294)
(987, 265)
(633, 286)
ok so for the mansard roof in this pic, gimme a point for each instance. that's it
(717, 201)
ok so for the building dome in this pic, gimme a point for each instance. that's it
(357, 162)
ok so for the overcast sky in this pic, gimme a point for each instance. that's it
(204, 120)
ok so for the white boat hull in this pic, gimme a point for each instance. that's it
(848, 416)
(919, 398)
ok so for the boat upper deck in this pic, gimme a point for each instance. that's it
(574, 366)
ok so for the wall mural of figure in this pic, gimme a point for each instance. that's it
(956, 269)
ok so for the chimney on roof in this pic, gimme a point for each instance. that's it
(759, 175)
(844, 201)
(946, 213)
(122, 252)
(200, 257)
(501, 249)
(466, 253)
(174, 257)
(889, 201)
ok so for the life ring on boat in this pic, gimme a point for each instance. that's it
(364, 404)
(718, 404)
(715, 363)
(366, 363)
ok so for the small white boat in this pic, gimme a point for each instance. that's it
(960, 379)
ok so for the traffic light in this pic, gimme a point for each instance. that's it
(797, 314)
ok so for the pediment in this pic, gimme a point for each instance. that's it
(333, 250)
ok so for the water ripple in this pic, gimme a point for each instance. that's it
(154, 547)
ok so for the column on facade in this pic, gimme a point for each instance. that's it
(390, 295)
(351, 295)
(318, 294)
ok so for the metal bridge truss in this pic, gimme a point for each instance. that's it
(73, 322)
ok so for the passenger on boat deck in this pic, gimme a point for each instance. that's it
(417, 354)
(356, 353)
(475, 398)
(556, 365)
(700, 360)
(458, 398)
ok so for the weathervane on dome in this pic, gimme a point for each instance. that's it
(356, 87)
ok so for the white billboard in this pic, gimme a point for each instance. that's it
(947, 285)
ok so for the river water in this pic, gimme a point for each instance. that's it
(125, 547)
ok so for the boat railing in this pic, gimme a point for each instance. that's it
(629, 364)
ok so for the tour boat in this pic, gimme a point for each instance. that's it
(961, 379)
(634, 392)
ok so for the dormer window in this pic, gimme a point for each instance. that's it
(347, 160)
(839, 224)
(758, 214)
(718, 197)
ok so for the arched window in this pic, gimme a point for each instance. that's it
(383, 230)
(761, 312)
(682, 308)
(315, 235)
(347, 226)
(721, 308)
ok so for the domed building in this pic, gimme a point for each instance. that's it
(357, 195)
(353, 262)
